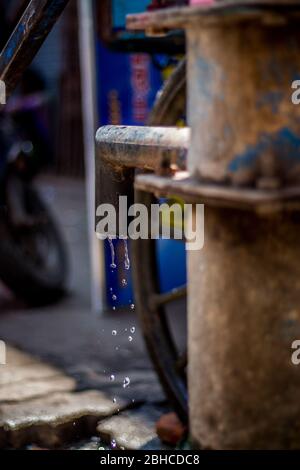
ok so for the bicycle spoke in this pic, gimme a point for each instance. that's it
(168, 297)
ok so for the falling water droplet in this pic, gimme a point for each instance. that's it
(112, 378)
(126, 382)
(113, 444)
(130, 339)
(114, 400)
(124, 283)
(114, 309)
(132, 306)
(114, 297)
(113, 254)
(132, 330)
(127, 260)
(114, 332)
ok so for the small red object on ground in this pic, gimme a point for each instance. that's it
(170, 429)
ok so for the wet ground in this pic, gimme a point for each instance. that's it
(73, 338)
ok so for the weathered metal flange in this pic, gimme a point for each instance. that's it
(190, 190)
(228, 11)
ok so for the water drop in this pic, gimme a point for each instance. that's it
(114, 297)
(113, 254)
(126, 382)
(132, 330)
(112, 378)
(114, 332)
(127, 260)
(114, 309)
(113, 444)
(130, 339)
(114, 400)
(124, 283)
(132, 306)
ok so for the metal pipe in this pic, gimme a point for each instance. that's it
(33, 28)
(121, 150)
(87, 29)
(144, 148)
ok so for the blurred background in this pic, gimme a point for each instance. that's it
(60, 299)
(72, 88)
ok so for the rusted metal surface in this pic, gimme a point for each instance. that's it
(121, 150)
(182, 17)
(27, 38)
(249, 132)
(193, 191)
(244, 297)
(145, 148)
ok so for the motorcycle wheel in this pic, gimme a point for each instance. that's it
(33, 260)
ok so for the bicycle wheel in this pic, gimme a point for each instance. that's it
(156, 309)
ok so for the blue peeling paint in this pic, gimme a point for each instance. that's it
(208, 73)
(284, 145)
(271, 99)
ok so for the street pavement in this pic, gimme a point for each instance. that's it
(80, 345)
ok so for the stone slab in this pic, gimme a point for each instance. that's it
(132, 430)
(54, 420)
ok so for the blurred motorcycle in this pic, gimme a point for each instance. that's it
(33, 259)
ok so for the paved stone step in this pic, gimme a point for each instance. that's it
(54, 420)
(132, 430)
(25, 377)
(30, 389)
